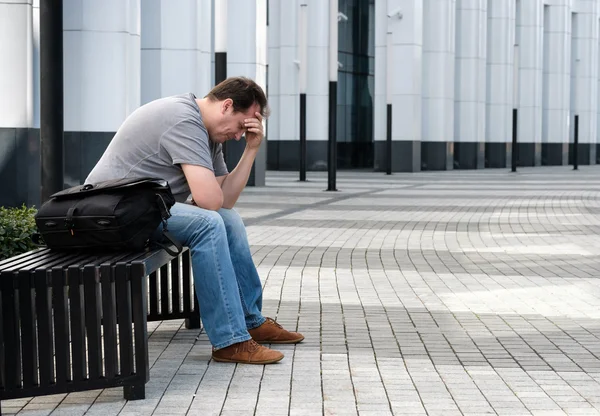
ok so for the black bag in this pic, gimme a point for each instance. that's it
(120, 214)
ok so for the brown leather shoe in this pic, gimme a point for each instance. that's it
(270, 332)
(247, 352)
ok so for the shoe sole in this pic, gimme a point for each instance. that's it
(225, 360)
(293, 341)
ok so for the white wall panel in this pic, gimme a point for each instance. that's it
(407, 61)
(500, 57)
(317, 87)
(101, 63)
(556, 72)
(181, 33)
(16, 61)
(273, 76)
(379, 102)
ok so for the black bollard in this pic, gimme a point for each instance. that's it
(220, 76)
(514, 152)
(389, 140)
(51, 97)
(331, 153)
(576, 143)
(303, 137)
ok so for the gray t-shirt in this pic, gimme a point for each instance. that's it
(155, 139)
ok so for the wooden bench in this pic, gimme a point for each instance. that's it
(75, 321)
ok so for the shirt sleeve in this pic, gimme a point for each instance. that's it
(187, 143)
(219, 161)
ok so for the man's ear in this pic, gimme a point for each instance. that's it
(227, 104)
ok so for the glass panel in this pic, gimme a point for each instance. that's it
(356, 76)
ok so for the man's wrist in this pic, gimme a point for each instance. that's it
(252, 149)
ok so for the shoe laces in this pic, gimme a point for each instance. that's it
(272, 322)
(249, 346)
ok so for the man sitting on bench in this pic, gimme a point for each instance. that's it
(179, 139)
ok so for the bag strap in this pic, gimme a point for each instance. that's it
(173, 241)
(38, 240)
(165, 213)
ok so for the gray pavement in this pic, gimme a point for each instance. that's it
(437, 293)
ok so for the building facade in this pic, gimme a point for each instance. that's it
(453, 72)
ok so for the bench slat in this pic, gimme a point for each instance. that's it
(140, 306)
(192, 312)
(77, 320)
(91, 280)
(28, 335)
(29, 262)
(109, 320)
(152, 284)
(62, 332)
(164, 290)
(43, 308)
(12, 337)
(187, 282)
(20, 257)
(175, 286)
(124, 320)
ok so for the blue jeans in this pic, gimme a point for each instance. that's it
(227, 284)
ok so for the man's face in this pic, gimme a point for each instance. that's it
(229, 124)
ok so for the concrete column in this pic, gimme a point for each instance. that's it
(273, 76)
(16, 100)
(529, 38)
(406, 25)
(585, 66)
(317, 87)
(381, 87)
(470, 84)
(247, 56)
(500, 58)
(176, 48)
(556, 82)
(36, 64)
(288, 113)
(102, 77)
(597, 146)
(16, 61)
(438, 85)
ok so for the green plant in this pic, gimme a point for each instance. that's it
(16, 227)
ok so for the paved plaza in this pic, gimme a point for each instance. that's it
(436, 293)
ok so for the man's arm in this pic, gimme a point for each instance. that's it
(234, 183)
(204, 187)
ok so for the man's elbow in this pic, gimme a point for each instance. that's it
(228, 205)
(211, 204)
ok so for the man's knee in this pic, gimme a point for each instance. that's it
(233, 221)
(209, 220)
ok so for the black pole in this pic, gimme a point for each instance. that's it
(514, 153)
(331, 149)
(576, 143)
(220, 67)
(51, 97)
(220, 76)
(389, 140)
(303, 137)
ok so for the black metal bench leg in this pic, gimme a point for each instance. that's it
(135, 392)
(193, 322)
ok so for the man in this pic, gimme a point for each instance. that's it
(179, 139)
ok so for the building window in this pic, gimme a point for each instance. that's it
(356, 84)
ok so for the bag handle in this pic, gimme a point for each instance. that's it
(173, 241)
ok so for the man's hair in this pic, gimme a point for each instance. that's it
(243, 91)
